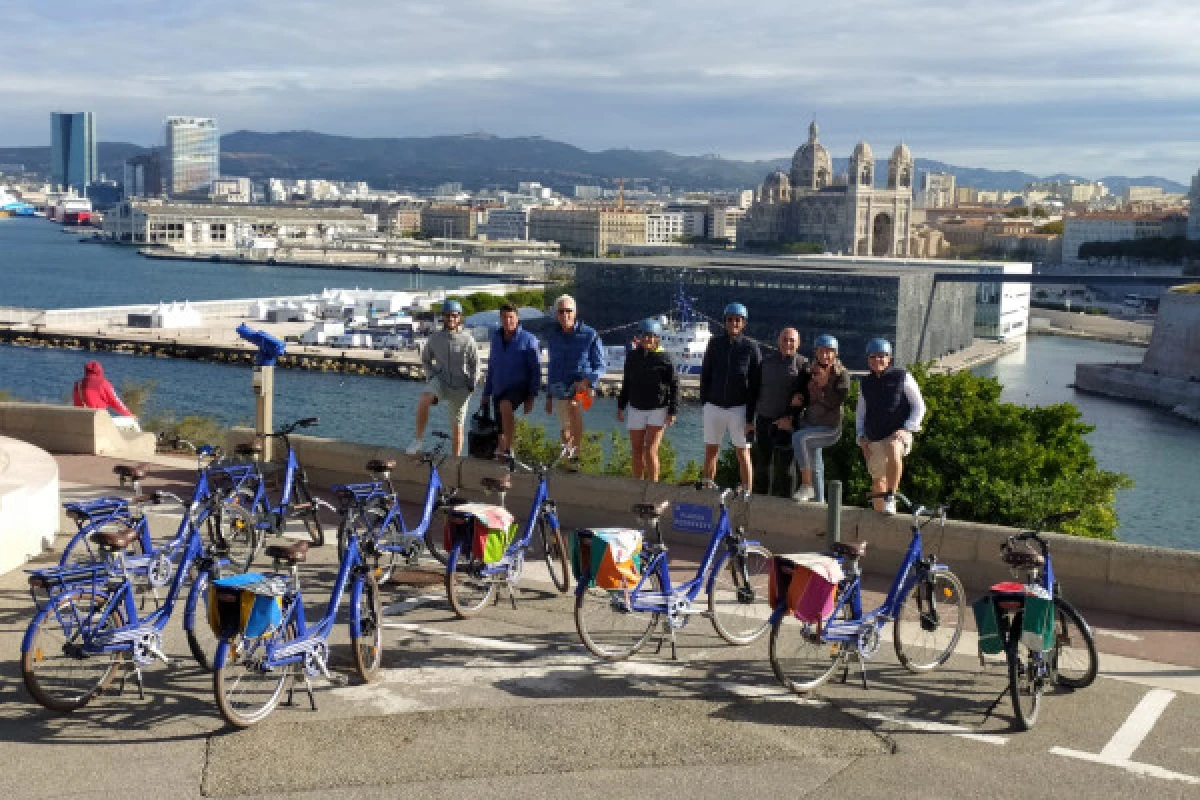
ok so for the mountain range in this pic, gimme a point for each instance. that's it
(485, 161)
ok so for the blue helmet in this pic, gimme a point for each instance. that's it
(825, 340)
(737, 309)
(650, 326)
(878, 345)
(451, 306)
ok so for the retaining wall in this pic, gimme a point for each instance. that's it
(66, 429)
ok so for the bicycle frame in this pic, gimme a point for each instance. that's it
(542, 507)
(290, 468)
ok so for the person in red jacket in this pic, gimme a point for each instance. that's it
(94, 391)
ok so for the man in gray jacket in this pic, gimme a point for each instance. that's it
(452, 368)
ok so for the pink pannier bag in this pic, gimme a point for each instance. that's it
(808, 584)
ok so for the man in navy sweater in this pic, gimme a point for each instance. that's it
(890, 410)
(730, 377)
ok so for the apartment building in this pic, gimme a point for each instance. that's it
(588, 231)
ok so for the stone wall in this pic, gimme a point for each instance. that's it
(1175, 344)
(65, 429)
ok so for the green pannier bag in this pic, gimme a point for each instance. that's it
(990, 641)
(1037, 622)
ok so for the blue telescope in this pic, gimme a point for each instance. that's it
(269, 347)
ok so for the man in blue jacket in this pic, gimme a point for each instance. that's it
(514, 374)
(576, 367)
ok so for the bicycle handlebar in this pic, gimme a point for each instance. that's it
(539, 469)
(284, 430)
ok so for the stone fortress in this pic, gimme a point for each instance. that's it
(845, 214)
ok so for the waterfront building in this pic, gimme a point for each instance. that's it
(1107, 227)
(224, 227)
(664, 227)
(1002, 309)
(506, 223)
(723, 221)
(451, 222)
(143, 175)
(193, 156)
(231, 190)
(588, 231)
(844, 214)
(73, 160)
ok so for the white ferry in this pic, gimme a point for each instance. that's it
(684, 337)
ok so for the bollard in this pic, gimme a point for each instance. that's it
(819, 477)
(834, 510)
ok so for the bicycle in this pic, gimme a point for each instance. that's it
(251, 672)
(88, 620)
(372, 510)
(471, 582)
(615, 624)
(925, 631)
(1070, 660)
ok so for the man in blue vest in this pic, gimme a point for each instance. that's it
(890, 410)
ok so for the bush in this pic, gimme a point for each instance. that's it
(533, 445)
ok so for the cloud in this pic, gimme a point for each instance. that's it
(1091, 86)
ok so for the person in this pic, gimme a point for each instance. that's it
(514, 374)
(890, 410)
(576, 366)
(771, 451)
(93, 390)
(730, 375)
(824, 384)
(452, 368)
(650, 391)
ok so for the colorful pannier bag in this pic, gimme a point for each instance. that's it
(610, 557)
(807, 583)
(490, 529)
(249, 604)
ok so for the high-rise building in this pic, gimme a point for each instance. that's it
(143, 175)
(73, 162)
(193, 156)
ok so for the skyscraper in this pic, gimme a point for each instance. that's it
(193, 155)
(73, 162)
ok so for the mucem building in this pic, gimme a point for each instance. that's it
(853, 299)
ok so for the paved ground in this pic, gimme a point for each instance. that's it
(510, 703)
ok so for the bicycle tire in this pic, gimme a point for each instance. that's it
(239, 536)
(56, 679)
(311, 517)
(202, 639)
(599, 613)
(1025, 685)
(434, 536)
(468, 593)
(554, 551)
(934, 636)
(368, 645)
(741, 617)
(801, 660)
(1070, 627)
(243, 706)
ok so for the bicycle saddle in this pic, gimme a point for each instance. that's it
(376, 465)
(293, 552)
(848, 549)
(249, 449)
(130, 472)
(650, 510)
(115, 540)
(1023, 558)
(497, 484)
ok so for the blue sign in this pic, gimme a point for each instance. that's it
(691, 518)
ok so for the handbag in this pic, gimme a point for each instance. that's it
(484, 434)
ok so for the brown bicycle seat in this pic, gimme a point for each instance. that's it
(377, 465)
(130, 471)
(293, 553)
(249, 449)
(848, 549)
(1023, 558)
(115, 540)
(651, 510)
(497, 484)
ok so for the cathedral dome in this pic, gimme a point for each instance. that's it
(862, 152)
(812, 167)
(902, 153)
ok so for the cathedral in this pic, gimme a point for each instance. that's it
(845, 214)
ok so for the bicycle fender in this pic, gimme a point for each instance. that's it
(222, 655)
(356, 590)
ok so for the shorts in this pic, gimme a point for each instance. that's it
(563, 409)
(893, 448)
(638, 420)
(717, 420)
(456, 401)
(517, 395)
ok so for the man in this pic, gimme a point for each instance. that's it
(514, 374)
(890, 410)
(576, 365)
(771, 452)
(452, 369)
(730, 376)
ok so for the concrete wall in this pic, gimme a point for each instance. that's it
(29, 502)
(1133, 383)
(65, 429)
(1153, 582)
(1175, 345)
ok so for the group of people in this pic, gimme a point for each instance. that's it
(778, 410)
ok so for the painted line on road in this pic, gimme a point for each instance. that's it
(475, 641)
(769, 693)
(1129, 637)
(939, 727)
(411, 603)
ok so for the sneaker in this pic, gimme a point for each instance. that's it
(804, 494)
(415, 447)
(889, 506)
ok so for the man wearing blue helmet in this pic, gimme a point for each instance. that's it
(452, 368)
(649, 398)
(890, 410)
(730, 377)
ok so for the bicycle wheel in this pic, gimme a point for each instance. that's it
(368, 616)
(738, 601)
(56, 673)
(608, 624)
(1026, 681)
(202, 639)
(312, 522)
(929, 623)
(245, 691)
(467, 589)
(238, 536)
(435, 533)
(554, 551)
(800, 658)
(1073, 658)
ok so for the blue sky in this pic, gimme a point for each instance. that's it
(1091, 87)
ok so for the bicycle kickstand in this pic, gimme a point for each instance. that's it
(667, 629)
(862, 668)
(512, 595)
(308, 687)
(137, 673)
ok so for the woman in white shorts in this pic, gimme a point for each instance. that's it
(649, 398)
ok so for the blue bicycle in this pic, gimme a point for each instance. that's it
(252, 671)
(616, 623)
(925, 606)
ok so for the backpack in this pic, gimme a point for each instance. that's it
(484, 433)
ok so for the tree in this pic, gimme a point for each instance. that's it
(1040, 213)
(1055, 227)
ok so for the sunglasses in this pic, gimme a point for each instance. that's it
(735, 319)
(566, 311)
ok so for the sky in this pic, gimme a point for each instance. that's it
(1087, 87)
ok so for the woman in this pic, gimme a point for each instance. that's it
(824, 385)
(650, 388)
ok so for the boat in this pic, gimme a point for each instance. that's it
(685, 337)
(12, 207)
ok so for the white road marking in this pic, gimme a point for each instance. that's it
(1129, 637)
(411, 603)
(475, 641)
(939, 727)
(1129, 737)
(773, 693)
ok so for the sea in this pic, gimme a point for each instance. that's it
(40, 267)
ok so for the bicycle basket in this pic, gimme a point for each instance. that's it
(249, 604)
(609, 558)
(490, 530)
(806, 583)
